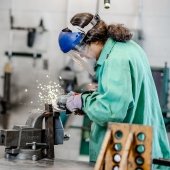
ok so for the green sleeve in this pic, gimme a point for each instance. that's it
(114, 95)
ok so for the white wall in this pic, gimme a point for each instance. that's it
(154, 21)
(157, 26)
(28, 14)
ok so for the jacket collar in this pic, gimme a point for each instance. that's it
(105, 51)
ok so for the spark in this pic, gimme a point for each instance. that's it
(26, 90)
(49, 92)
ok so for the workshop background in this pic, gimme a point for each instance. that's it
(149, 20)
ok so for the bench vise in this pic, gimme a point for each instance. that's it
(31, 141)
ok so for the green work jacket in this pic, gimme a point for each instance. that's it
(126, 93)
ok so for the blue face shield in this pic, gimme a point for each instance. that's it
(71, 42)
(86, 62)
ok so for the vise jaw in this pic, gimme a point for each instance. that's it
(31, 141)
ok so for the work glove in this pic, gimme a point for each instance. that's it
(60, 101)
(70, 102)
(74, 103)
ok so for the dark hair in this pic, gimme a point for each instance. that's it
(101, 31)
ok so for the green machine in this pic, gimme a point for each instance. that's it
(85, 136)
(161, 78)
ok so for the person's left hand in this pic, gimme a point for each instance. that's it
(74, 103)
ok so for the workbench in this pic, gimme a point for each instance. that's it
(57, 164)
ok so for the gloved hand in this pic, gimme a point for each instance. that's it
(74, 102)
(60, 101)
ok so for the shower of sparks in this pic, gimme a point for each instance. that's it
(49, 92)
(26, 90)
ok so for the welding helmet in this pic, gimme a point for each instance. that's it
(71, 41)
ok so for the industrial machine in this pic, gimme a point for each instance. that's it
(31, 146)
(161, 79)
(31, 141)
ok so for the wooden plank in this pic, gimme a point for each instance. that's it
(100, 160)
(126, 151)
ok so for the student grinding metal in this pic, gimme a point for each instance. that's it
(126, 91)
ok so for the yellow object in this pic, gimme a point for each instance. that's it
(8, 68)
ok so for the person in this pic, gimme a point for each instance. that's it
(126, 92)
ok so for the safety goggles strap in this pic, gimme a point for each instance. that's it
(75, 28)
(88, 27)
(95, 20)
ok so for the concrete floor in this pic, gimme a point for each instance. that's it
(57, 164)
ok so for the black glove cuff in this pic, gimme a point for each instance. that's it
(68, 111)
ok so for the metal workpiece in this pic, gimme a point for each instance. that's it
(49, 132)
(48, 108)
(31, 141)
